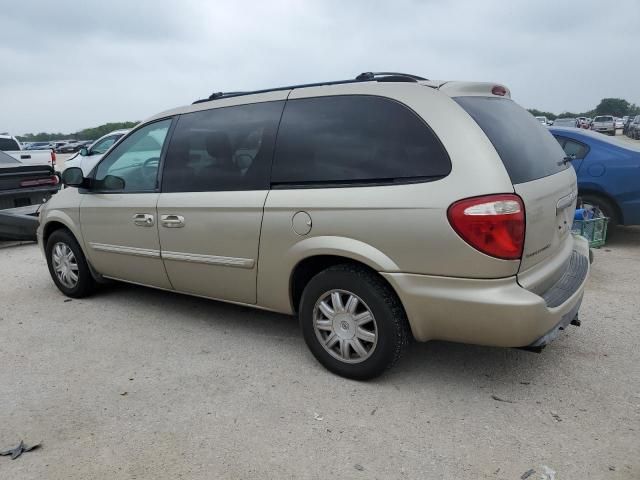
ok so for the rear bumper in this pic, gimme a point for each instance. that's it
(497, 312)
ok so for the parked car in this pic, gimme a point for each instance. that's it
(604, 124)
(292, 200)
(627, 123)
(70, 147)
(583, 122)
(22, 185)
(543, 120)
(11, 146)
(619, 123)
(566, 122)
(37, 146)
(88, 157)
(608, 173)
(634, 128)
(65, 146)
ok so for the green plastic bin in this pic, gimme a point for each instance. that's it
(594, 230)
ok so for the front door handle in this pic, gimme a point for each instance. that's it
(172, 221)
(143, 220)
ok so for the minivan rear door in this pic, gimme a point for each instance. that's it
(539, 172)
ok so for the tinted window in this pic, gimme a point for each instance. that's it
(132, 166)
(7, 144)
(227, 148)
(526, 148)
(355, 139)
(572, 148)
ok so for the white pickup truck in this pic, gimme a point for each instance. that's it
(11, 146)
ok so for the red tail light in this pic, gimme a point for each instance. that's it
(39, 182)
(493, 224)
(53, 158)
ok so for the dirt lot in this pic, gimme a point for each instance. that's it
(138, 383)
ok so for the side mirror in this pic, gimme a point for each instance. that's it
(73, 177)
(84, 152)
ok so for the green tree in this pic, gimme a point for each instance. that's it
(540, 113)
(612, 106)
(86, 134)
(570, 115)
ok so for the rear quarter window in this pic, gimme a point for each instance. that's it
(355, 139)
(527, 149)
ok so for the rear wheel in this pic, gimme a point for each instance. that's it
(607, 207)
(352, 322)
(68, 266)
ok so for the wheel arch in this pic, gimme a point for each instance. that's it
(310, 266)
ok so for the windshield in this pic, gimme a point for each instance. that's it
(603, 119)
(526, 148)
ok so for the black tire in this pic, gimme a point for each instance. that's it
(393, 333)
(607, 207)
(85, 284)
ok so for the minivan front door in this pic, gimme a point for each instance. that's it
(214, 186)
(118, 216)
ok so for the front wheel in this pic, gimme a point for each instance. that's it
(68, 266)
(353, 322)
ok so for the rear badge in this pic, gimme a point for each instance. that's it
(532, 254)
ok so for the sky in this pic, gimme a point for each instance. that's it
(68, 65)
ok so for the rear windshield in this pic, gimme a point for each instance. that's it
(603, 119)
(527, 149)
(7, 144)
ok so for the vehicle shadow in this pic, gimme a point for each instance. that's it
(424, 363)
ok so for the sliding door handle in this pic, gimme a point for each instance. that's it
(143, 220)
(172, 221)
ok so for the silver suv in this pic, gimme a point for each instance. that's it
(377, 210)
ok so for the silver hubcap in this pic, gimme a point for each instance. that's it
(345, 326)
(65, 264)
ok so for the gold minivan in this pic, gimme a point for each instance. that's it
(377, 210)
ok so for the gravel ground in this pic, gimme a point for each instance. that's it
(138, 383)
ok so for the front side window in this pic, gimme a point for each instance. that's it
(228, 148)
(355, 139)
(103, 145)
(132, 166)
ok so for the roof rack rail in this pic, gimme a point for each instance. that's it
(389, 77)
(363, 77)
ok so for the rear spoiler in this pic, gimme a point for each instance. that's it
(474, 89)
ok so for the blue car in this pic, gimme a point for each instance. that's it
(608, 172)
